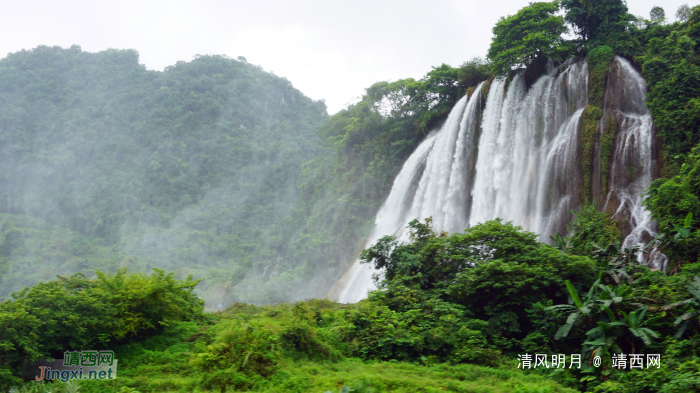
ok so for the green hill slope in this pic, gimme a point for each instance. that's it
(194, 169)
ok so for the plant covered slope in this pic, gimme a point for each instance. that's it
(75, 313)
(470, 297)
(24, 240)
(477, 298)
(171, 346)
(195, 169)
(671, 65)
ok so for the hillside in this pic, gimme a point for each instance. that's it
(212, 167)
(194, 169)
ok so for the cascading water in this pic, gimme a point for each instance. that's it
(518, 161)
(527, 151)
(632, 166)
(433, 182)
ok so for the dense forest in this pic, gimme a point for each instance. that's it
(212, 167)
(219, 170)
(194, 170)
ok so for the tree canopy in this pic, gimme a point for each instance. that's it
(594, 18)
(495, 268)
(683, 13)
(657, 14)
(534, 31)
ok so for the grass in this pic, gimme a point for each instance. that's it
(242, 349)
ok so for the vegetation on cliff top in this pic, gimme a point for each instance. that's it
(534, 32)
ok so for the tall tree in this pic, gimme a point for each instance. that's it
(683, 13)
(596, 18)
(531, 33)
(657, 14)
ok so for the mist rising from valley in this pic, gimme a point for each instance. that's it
(197, 169)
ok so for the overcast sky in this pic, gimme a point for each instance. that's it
(327, 49)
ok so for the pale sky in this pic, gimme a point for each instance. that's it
(329, 50)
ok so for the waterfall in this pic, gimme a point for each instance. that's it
(433, 182)
(632, 166)
(516, 157)
(525, 172)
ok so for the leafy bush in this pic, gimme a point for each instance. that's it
(590, 227)
(76, 313)
(495, 270)
(674, 204)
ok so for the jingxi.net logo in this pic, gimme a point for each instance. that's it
(79, 365)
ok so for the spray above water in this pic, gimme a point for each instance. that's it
(515, 157)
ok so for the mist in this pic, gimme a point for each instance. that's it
(198, 169)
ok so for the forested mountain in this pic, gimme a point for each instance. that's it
(194, 169)
(212, 167)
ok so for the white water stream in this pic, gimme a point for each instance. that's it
(632, 166)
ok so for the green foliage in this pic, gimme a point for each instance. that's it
(494, 270)
(533, 32)
(674, 203)
(670, 65)
(240, 355)
(589, 130)
(678, 372)
(607, 141)
(246, 352)
(608, 328)
(597, 18)
(598, 65)
(669, 201)
(427, 329)
(75, 313)
(590, 227)
(694, 306)
(300, 337)
(627, 317)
